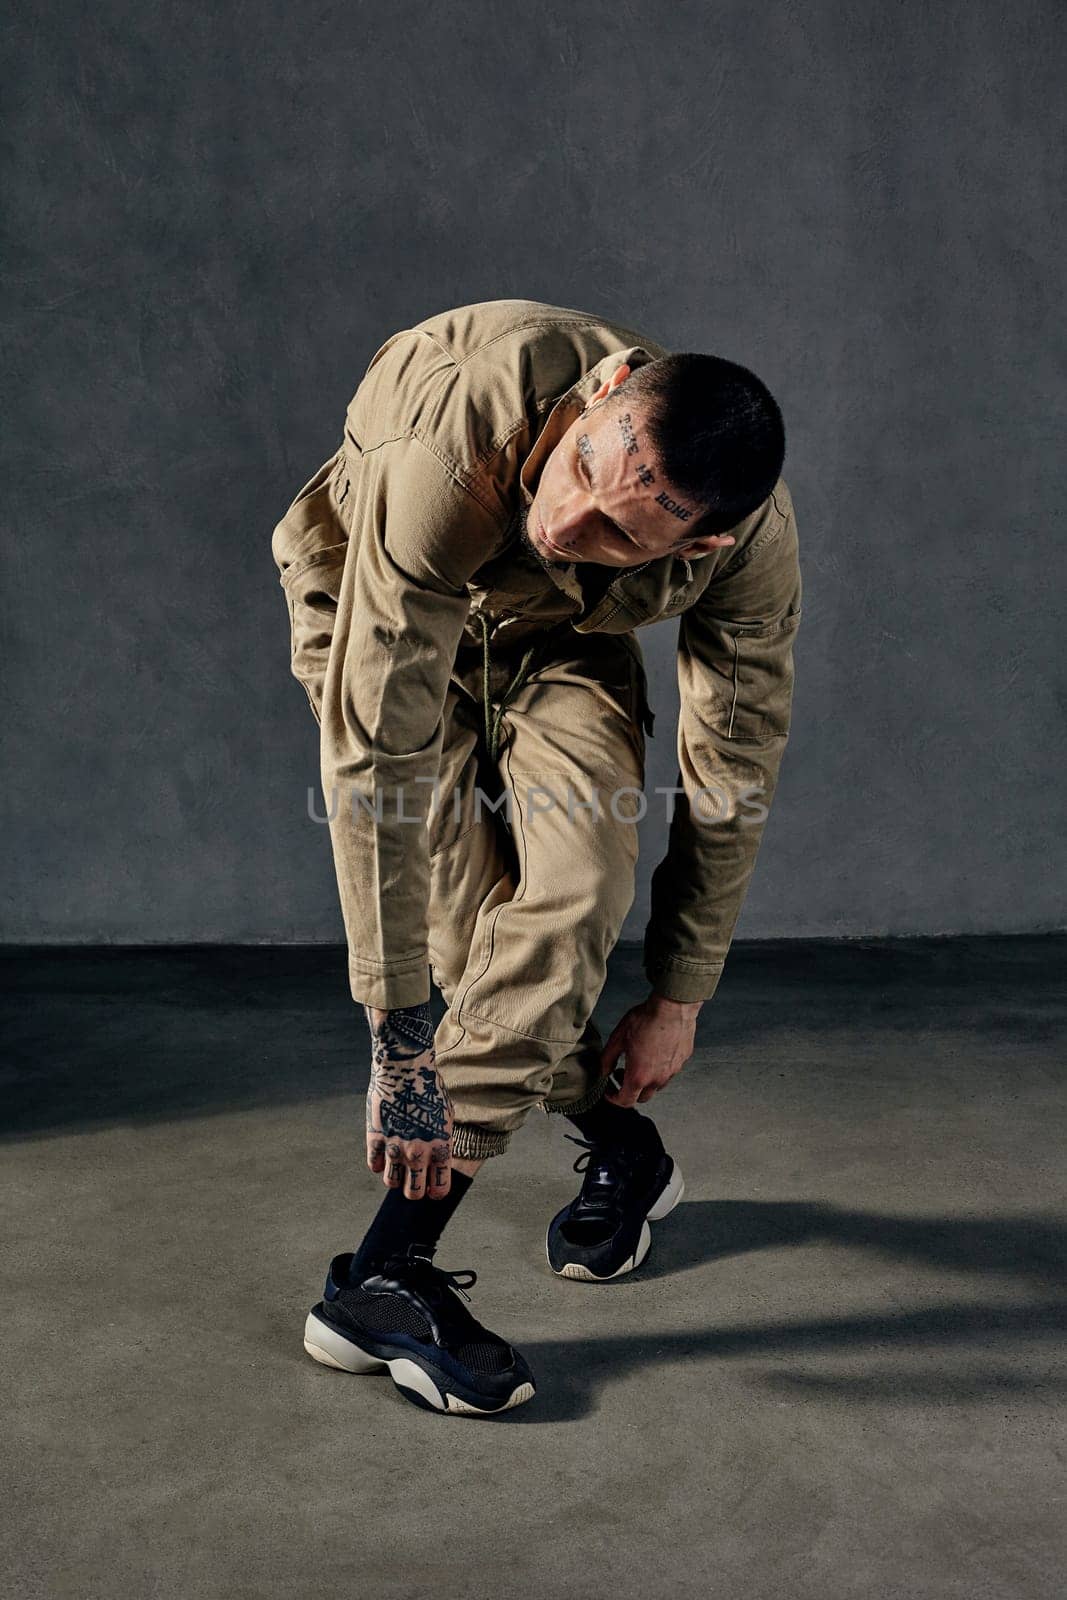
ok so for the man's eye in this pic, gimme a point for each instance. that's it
(585, 475)
(619, 534)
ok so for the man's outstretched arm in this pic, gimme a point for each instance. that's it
(417, 536)
(735, 677)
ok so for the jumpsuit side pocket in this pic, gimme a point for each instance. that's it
(312, 588)
(309, 546)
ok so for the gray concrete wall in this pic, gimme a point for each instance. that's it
(214, 219)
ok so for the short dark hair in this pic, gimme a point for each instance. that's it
(716, 432)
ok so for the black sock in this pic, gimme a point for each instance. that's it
(399, 1222)
(608, 1123)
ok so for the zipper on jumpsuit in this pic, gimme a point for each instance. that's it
(493, 720)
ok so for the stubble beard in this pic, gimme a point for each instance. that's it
(527, 542)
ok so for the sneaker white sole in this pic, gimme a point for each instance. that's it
(325, 1345)
(666, 1203)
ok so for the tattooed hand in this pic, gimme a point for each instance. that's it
(409, 1112)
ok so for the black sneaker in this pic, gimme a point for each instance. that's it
(407, 1319)
(605, 1232)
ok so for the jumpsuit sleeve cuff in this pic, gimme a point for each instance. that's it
(401, 984)
(677, 978)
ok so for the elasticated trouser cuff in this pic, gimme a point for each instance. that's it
(472, 1142)
(592, 1097)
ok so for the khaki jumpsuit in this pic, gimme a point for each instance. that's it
(483, 719)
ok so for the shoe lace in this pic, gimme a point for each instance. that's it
(457, 1326)
(439, 1277)
(582, 1161)
(602, 1174)
(608, 1152)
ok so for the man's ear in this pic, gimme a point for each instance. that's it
(703, 547)
(618, 376)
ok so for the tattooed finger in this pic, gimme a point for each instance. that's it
(395, 1156)
(441, 1155)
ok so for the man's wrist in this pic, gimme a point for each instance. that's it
(401, 1016)
(662, 1001)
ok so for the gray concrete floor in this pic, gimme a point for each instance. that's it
(837, 1374)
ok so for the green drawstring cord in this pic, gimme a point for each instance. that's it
(492, 723)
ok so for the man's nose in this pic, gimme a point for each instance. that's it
(569, 525)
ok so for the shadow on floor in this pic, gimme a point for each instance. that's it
(98, 1038)
(101, 1036)
(571, 1374)
(1033, 1249)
